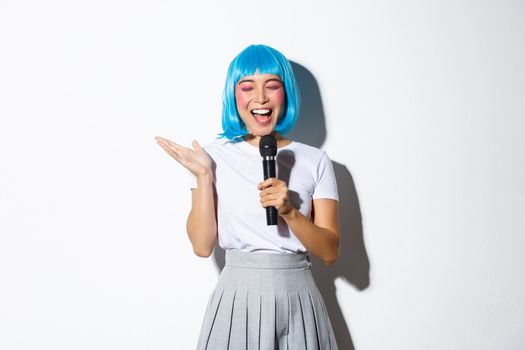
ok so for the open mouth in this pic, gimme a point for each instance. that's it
(262, 116)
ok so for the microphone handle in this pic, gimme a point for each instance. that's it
(269, 171)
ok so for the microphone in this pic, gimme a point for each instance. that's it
(268, 150)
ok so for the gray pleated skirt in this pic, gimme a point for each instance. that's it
(266, 301)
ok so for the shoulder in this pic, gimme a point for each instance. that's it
(223, 148)
(311, 152)
(303, 147)
(215, 145)
(322, 171)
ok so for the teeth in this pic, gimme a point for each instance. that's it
(261, 111)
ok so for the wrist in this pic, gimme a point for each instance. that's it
(290, 214)
(204, 179)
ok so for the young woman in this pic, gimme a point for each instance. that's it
(265, 297)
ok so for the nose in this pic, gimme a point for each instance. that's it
(260, 96)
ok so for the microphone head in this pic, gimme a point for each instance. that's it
(268, 146)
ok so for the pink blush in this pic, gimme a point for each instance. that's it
(279, 96)
(242, 99)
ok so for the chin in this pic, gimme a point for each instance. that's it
(262, 132)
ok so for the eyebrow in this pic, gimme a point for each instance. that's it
(252, 81)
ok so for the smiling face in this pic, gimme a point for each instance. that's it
(260, 102)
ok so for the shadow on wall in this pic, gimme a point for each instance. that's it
(353, 265)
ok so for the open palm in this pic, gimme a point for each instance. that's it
(195, 160)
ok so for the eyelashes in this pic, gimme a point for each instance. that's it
(270, 87)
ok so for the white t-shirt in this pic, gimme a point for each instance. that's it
(238, 170)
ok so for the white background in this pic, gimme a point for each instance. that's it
(420, 104)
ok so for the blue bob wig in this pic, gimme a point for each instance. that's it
(263, 60)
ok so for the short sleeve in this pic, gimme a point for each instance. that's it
(326, 185)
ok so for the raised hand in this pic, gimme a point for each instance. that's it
(195, 160)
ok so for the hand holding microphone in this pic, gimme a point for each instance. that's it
(274, 192)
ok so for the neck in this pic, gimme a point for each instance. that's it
(254, 140)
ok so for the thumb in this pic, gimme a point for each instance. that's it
(196, 146)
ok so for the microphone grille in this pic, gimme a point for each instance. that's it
(268, 146)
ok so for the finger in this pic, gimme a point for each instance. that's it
(272, 203)
(162, 139)
(172, 152)
(181, 151)
(266, 183)
(274, 181)
(269, 197)
(164, 144)
(272, 190)
(276, 195)
(275, 186)
(266, 203)
(174, 145)
(196, 146)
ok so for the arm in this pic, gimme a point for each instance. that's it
(320, 237)
(202, 223)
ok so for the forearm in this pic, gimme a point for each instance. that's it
(321, 242)
(201, 224)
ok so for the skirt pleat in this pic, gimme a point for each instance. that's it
(296, 326)
(331, 337)
(266, 301)
(220, 333)
(267, 333)
(308, 318)
(239, 330)
(320, 322)
(281, 319)
(209, 320)
(254, 321)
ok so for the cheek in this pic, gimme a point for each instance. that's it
(241, 99)
(279, 97)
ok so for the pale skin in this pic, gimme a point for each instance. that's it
(320, 235)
